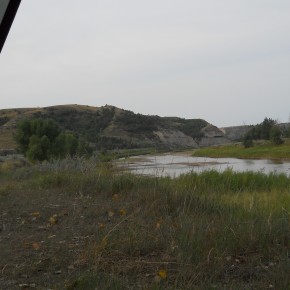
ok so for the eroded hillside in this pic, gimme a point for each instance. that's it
(109, 127)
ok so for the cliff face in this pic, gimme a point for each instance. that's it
(175, 139)
(235, 133)
(213, 136)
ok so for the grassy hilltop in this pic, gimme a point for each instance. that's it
(108, 127)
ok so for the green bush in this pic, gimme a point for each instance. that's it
(267, 130)
(40, 140)
(248, 141)
(275, 135)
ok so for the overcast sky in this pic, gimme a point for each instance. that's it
(225, 61)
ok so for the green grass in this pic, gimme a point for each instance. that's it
(120, 231)
(264, 151)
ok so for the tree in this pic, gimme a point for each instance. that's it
(39, 148)
(276, 135)
(23, 135)
(34, 150)
(262, 130)
(40, 139)
(248, 141)
(35, 127)
(65, 144)
(266, 127)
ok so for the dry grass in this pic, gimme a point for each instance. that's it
(6, 139)
(75, 225)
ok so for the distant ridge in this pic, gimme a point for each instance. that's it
(108, 127)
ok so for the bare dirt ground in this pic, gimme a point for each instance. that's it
(44, 237)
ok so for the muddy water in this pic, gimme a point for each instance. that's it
(174, 164)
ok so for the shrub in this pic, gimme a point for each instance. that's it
(40, 139)
(248, 141)
(275, 135)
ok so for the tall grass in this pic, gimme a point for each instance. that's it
(206, 231)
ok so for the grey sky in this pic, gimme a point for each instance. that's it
(226, 61)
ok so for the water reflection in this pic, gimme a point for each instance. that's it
(173, 165)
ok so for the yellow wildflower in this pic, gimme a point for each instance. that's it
(123, 212)
(53, 219)
(101, 225)
(162, 274)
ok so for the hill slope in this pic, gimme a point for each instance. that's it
(109, 127)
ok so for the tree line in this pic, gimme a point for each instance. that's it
(42, 139)
(267, 130)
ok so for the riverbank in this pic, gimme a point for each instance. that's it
(175, 164)
(76, 224)
(262, 151)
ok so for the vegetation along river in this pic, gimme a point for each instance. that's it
(176, 164)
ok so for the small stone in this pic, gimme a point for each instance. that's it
(23, 285)
(51, 237)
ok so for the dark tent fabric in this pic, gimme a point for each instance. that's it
(8, 10)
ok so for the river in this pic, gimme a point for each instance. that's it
(175, 164)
